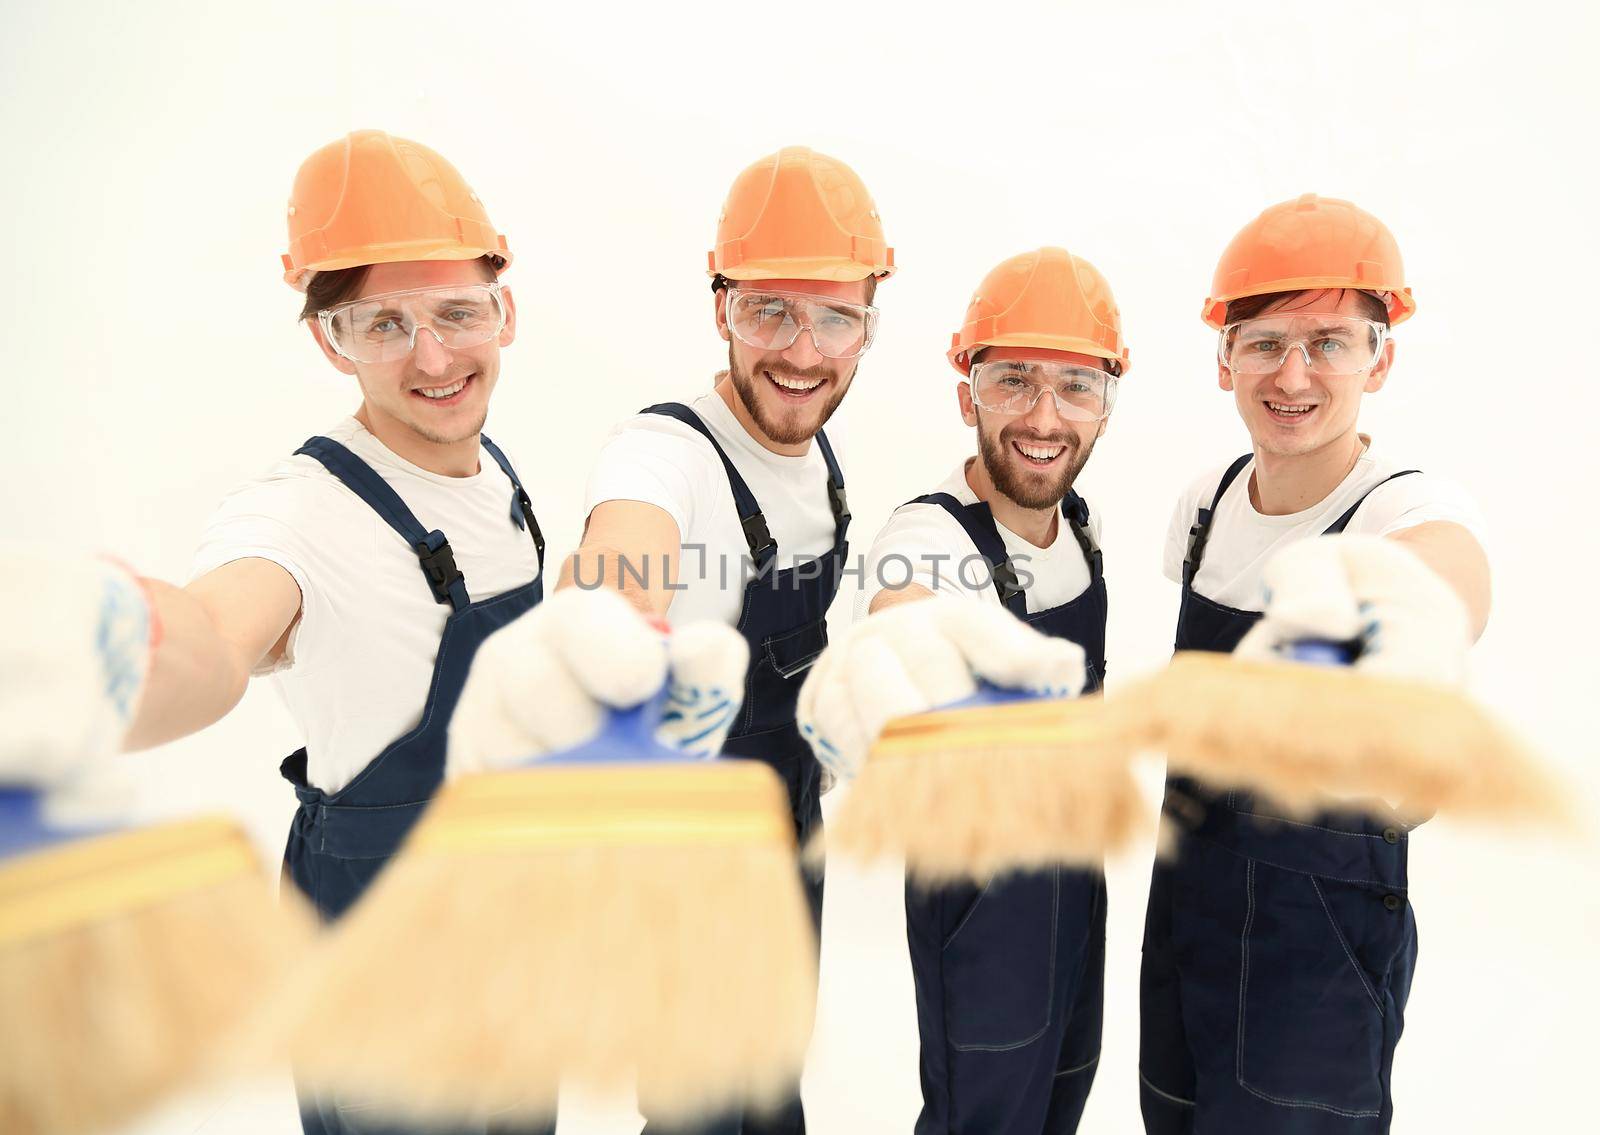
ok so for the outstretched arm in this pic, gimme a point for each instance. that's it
(215, 632)
(1455, 556)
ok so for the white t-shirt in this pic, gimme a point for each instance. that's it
(660, 461)
(356, 671)
(1242, 539)
(928, 545)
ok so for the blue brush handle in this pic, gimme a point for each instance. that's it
(1322, 652)
(988, 694)
(627, 736)
(23, 828)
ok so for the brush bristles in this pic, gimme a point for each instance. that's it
(969, 811)
(468, 983)
(1310, 735)
(100, 1021)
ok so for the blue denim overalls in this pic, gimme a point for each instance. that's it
(341, 840)
(783, 619)
(1278, 952)
(1010, 977)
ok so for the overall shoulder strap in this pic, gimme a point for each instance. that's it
(836, 497)
(1200, 531)
(433, 550)
(756, 533)
(978, 523)
(521, 507)
(1343, 522)
(1075, 510)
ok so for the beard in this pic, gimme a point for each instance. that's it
(789, 425)
(1037, 489)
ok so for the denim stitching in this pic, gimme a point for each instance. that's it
(1050, 999)
(1244, 960)
(747, 717)
(1384, 883)
(1313, 827)
(1339, 936)
(1347, 1114)
(965, 918)
(1179, 1100)
(1244, 973)
(1079, 1068)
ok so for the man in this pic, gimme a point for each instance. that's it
(723, 508)
(1009, 977)
(1278, 953)
(362, 573)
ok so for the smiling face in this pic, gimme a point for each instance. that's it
(1032, 458)
(437, 394)
(790, 394)
(1291, 412)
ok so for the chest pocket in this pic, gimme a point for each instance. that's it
(792, 653)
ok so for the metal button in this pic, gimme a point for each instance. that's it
(1393, 902)
(1391, 835)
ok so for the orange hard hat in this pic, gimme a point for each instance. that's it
(799, 215)
(1311, 242)
(372, 198)
(1047, 298)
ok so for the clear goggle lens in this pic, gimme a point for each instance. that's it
(381, 329)
(772, 321)
(1331, 345)
(1011, 386)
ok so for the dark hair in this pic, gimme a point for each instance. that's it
(719, 281)
(1249, 307)
(336, 285)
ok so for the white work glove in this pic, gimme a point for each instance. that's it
(1409, 622)
(544, 682)
(916, 656)
(73, 663)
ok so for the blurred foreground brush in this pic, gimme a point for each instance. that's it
(613, 914)
(1306, 734)
(127, 960)
(998, 782)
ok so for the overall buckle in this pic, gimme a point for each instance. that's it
(439, 565)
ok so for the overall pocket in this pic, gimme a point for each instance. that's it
(778, 666)
(1311, 1016)
(999, 964)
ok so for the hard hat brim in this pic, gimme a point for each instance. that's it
(1399, 301)
(300, 277)
(960, 355)
(803, 268)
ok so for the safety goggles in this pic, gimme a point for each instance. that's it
(383, 328)
(772, 321)
(1014, 386)
(1331, 345)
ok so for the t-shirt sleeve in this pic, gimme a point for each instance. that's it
(655, 464)
(1184, 513)
(1419, 498)
(259, 521)
(920, 544)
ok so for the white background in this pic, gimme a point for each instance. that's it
(153, 358)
